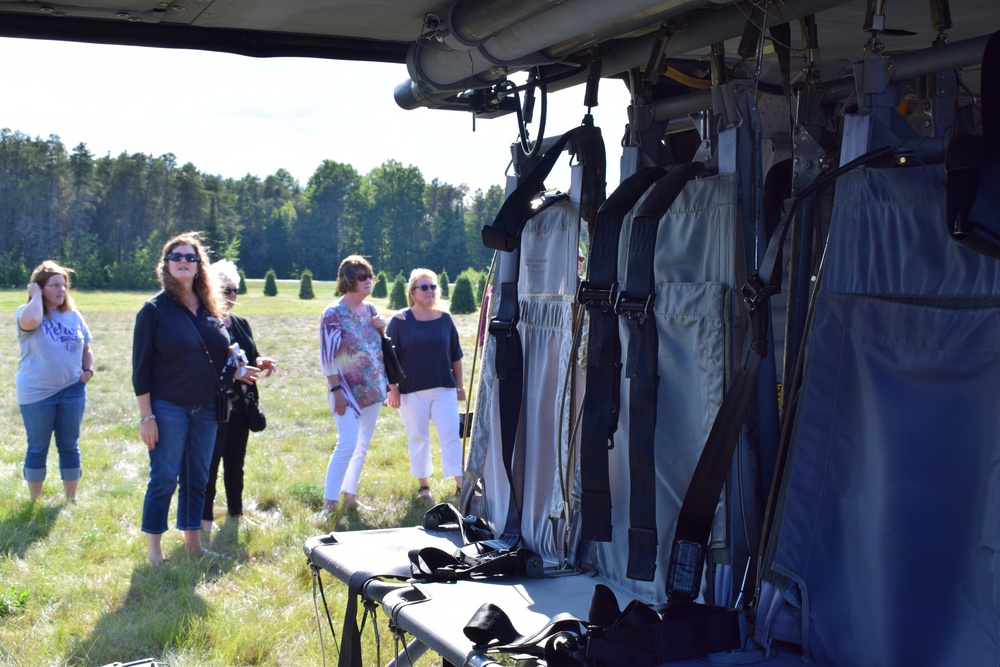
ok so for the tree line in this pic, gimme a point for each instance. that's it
(108, 217)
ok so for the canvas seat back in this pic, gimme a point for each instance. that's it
(884, 545)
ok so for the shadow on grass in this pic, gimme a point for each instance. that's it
(31, 523)
(158, 615)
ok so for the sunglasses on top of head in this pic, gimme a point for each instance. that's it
(187, 257)
(424, 288)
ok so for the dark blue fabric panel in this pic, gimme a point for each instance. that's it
(889, 236)
(890, 522)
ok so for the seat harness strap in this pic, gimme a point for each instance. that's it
(973, 167)
(635, 306)
(505, 234)
(694, 521)
(601, 402)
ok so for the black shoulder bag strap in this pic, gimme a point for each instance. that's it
(635, 305)
(694, 521)
(973, 166)
(601, 401)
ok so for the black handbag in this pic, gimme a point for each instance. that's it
(256, 419)
(392, 368)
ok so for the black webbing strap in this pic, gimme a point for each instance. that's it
(504, 233)
(973, 166)
(350, 651)
(635, 305)
(433, 564)
(645, 636)
(601, 401)
(558, 643)
(694, 521)
(446, 517)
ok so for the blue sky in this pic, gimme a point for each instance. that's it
(232, 115)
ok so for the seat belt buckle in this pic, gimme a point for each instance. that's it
(634, 309)
(588, 295)
(500, 327)
(756, 292)
(687, 559)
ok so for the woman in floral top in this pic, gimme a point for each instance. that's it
(351, 359)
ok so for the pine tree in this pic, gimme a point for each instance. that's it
(380, 289)
(243, 282)
(270, 283)
(306, 285)
(462, 300)
(443, 284)
(397, 300)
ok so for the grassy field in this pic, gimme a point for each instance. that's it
(74, 585)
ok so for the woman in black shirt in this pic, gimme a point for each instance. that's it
(179, 350)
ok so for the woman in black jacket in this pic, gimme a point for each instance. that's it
(180, 349)
(232, 436)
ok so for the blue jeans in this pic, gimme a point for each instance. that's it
(180, 459)
(59, 414)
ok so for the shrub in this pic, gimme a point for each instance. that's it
(476, 279)
(306, 285)
(397, 299)
(243, 282)
(270, 283)
(443, 284)
(380, 289)
(462, 300)
(13, 272)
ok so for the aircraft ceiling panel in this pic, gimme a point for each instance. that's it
(384, 20)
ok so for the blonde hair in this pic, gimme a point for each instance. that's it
(415, 275)
(204, 282)
(41, 275)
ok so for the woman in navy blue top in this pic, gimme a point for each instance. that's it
(427, 345)
(179, 350)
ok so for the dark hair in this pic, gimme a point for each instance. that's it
(349, 269)
(204, 282)
(41, 275)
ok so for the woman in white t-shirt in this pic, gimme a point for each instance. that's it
(56, 364)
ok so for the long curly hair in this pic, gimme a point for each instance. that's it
(204, 282)
(41, 275)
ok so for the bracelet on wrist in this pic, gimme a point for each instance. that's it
(335, 388)
(87, 370)
(150, 418)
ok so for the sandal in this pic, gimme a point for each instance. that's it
(424, 493)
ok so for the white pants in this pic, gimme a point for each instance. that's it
(353, 436)
(418, 410)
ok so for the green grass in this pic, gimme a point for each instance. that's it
(74, 586)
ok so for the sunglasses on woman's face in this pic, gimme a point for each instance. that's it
(189, 257)
(424, 288)
(230, 291)
(361, 277)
